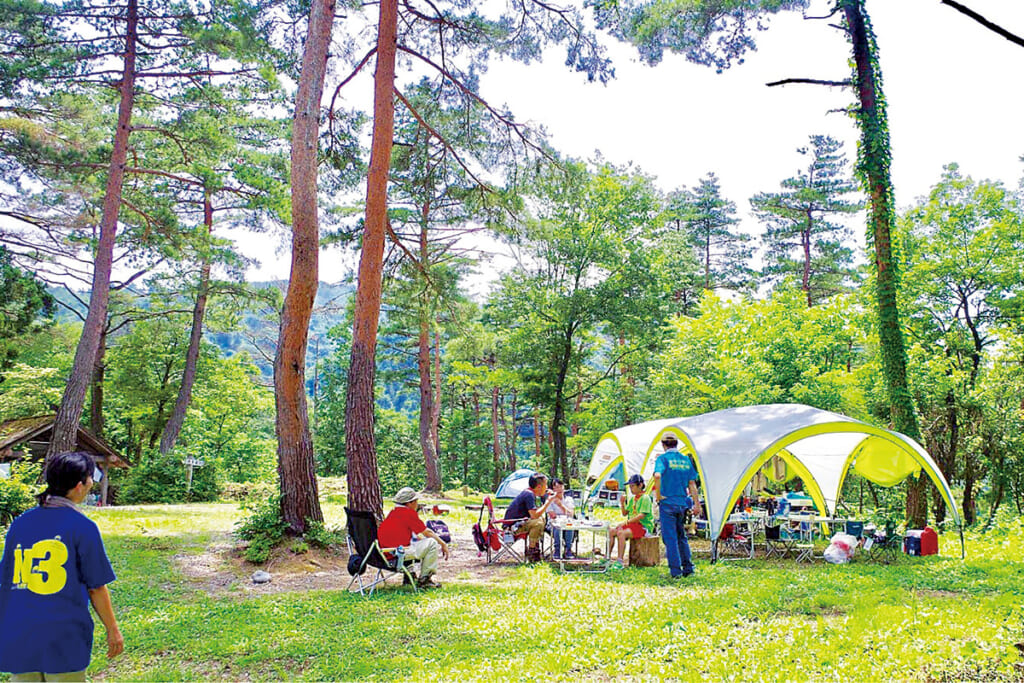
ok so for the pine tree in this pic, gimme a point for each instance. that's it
(801, 241)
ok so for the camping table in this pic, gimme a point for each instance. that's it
(596, 528)
(814, 522)
(748, 525)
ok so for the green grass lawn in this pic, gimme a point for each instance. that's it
(923, 618)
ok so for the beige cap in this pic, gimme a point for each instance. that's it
(406, 495)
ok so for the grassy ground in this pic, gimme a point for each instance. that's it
(936, 618)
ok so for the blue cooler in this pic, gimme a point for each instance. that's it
(912, 543)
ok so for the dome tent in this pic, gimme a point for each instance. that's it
(730, 446)
(514, 484)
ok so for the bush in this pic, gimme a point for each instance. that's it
(241, 492)
(162, 479)
(263, 528)
(320, 535)
(15, 498)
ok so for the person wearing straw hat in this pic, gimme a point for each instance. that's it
(398, 529)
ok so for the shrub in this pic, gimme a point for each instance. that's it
(320, 535)
(263, 528)
(241, 492)
(161, 479)
(15, 498)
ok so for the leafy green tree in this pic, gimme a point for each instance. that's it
(771, 351)
(24, 301)
(584, 267)
(709, 222)
(963, 262)
(803, 241)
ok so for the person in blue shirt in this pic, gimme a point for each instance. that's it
(675, 488)
(53, 566)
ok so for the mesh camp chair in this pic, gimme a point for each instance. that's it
(734, 541)
(804, 545)
(366, 553)
(778, 544)
(502, 535)
(885, 547)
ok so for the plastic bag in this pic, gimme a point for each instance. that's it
(841, 548)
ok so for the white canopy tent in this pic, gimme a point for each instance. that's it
(730, 446)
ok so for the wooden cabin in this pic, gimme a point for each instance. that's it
(29, 437)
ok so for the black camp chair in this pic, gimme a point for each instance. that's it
(885, 547)
(365, 552)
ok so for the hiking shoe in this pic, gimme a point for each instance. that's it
(533, 555)
(614, 565)
(427, 582)
(405, 578)
(567, 555)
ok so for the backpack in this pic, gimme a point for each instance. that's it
(441, 529)
(478, 538)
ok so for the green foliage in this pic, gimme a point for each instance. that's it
(802, 240)
(263, 528)
(708, 223)
(319, 535)
(772, 351)
(399, 456)
(15, 498)
(162, 479)
(23, 301)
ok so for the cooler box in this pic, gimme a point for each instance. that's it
(912, 542)
(929, 541)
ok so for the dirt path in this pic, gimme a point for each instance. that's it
(221, 569)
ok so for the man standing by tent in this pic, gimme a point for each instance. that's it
(674, 475)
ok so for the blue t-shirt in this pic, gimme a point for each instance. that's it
(521, 505)
(52, 557)
(676, 472)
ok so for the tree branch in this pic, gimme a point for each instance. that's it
(811, 81)
(1013, 38)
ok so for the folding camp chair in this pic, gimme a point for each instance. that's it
(777, 543)
(501, 535)
(884, 547)
(804, 545)
(365, 552)
(731, 540)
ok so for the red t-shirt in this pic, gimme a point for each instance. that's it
(399, 526)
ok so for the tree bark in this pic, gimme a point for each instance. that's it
(188, 377)
(65, 427)
(430, 460)
(360, 445)
(99, 371)
(435, 417)
(495, 440)
(296, 464)
(873, 166)
(513, 440)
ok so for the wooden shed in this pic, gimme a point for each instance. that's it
(29, 437)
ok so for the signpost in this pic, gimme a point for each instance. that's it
(190, 464)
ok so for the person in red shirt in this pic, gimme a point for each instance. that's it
(399, 528)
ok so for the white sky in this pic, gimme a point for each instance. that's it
(954, 90)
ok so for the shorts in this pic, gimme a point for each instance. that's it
(637, 528)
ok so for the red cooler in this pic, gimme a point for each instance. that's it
(929, 541)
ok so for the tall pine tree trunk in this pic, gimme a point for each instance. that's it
(495, 440)
(99, 372)
(435, 416)
(65, 427)
(296, 465)
(360, 445)
(873, 167)
(188, 377)
(427, 443)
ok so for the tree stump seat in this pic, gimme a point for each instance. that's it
(645, 552)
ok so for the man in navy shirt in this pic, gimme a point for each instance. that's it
(674, 475)
(524, 506)
(54, 565)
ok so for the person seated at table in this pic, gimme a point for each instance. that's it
(561, 506)
(525, 507)
(638, 509)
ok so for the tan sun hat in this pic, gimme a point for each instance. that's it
(406, 495)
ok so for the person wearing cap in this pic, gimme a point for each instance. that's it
(525, 507)
(398, 529)
(54, 565)
(674, 478)
(639, 513)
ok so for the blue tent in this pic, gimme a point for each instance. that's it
(514, 484)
